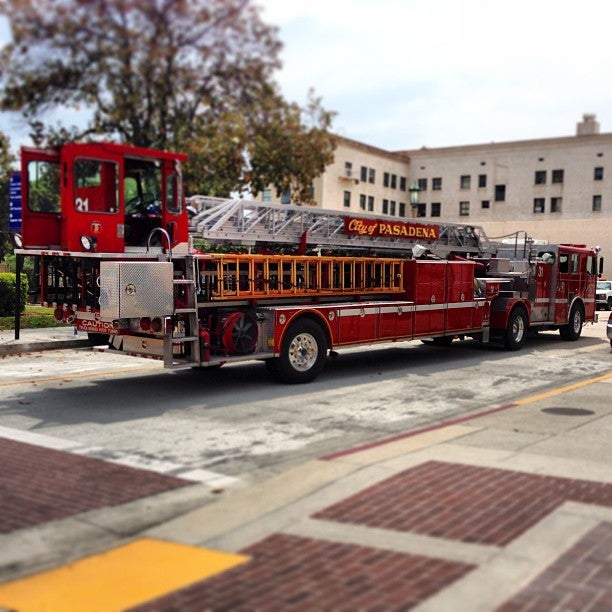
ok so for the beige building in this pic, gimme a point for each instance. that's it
(555, 189)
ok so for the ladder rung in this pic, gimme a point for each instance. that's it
(183, 281)
(184, 310)
(185, 339)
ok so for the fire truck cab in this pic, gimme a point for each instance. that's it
(112, 241)
(100, 197)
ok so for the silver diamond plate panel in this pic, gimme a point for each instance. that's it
(135, 289)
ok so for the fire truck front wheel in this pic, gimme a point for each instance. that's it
(516, 330)
(302, 354)
(573, 329)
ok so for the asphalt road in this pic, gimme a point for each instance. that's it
(233, 426)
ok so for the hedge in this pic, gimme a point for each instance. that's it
(8, 293)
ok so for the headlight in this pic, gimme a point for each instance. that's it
(88, 242)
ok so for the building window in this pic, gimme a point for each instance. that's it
(436, 183)
(482, 180)
(555, 205)
(596, 203)
(363, 177)
(347, 199)
(402, 209)
(385, 207)
(362, 201)
(394, 181)
(386, 177)
(371, 203)
(598, 174)
(435, 209)
(285, 197)
(266, 195)
(421, 210)
(392, 207)
(538, 205)
(348, 168)
(422, 183)
(464, 209)
(371, 176)
(500, 193)
(402, 183)
(485, 204)
(465, 181)
(557, 176)
(540, 177)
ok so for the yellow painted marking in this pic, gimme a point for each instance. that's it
(553, 392)
(92, 374)
(117, 579)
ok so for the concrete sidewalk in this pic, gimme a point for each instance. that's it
(508, 509)
(41, 339)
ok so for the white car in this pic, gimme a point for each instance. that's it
(603, 295)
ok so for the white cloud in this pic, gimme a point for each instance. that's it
(407, 73)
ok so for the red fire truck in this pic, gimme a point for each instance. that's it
(117, 254)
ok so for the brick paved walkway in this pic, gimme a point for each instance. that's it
(461, 502)
(295, 573)
(581, 579)
(40, 484)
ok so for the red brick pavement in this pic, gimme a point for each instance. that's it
(294, 573)
(581, 579)
(461, 502)
(39, 484)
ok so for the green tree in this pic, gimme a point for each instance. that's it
(6, 160)
(192, 75)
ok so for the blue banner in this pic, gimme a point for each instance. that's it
(15, 202)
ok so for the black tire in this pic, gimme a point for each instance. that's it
(573, 329)
(302, 355)
(516, 331)
(609, 306)
(97, 339)
(443, 341)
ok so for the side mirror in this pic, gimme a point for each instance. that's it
(601, 264)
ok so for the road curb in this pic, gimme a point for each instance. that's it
(29, 347)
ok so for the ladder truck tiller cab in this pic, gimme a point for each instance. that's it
(112, 239)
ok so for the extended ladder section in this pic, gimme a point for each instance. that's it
(248, 222)
(231, 277)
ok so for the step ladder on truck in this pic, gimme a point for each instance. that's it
(235, 280)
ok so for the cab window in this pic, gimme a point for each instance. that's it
(96, 186)
(142, 187)
(43, 186)
(173, 193)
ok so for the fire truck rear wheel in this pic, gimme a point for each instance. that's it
(516, 331)
(573, 329)
(302, 354)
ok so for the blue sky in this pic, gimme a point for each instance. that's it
(402, 74)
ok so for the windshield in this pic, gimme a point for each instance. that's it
(604, 285)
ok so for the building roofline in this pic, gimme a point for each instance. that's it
(394, 155)
(511, 144)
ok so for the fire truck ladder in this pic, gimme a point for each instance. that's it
(248, 222)
(182, 348)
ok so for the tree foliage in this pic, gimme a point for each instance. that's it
(194, 75)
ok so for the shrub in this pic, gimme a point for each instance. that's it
(8, 293)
